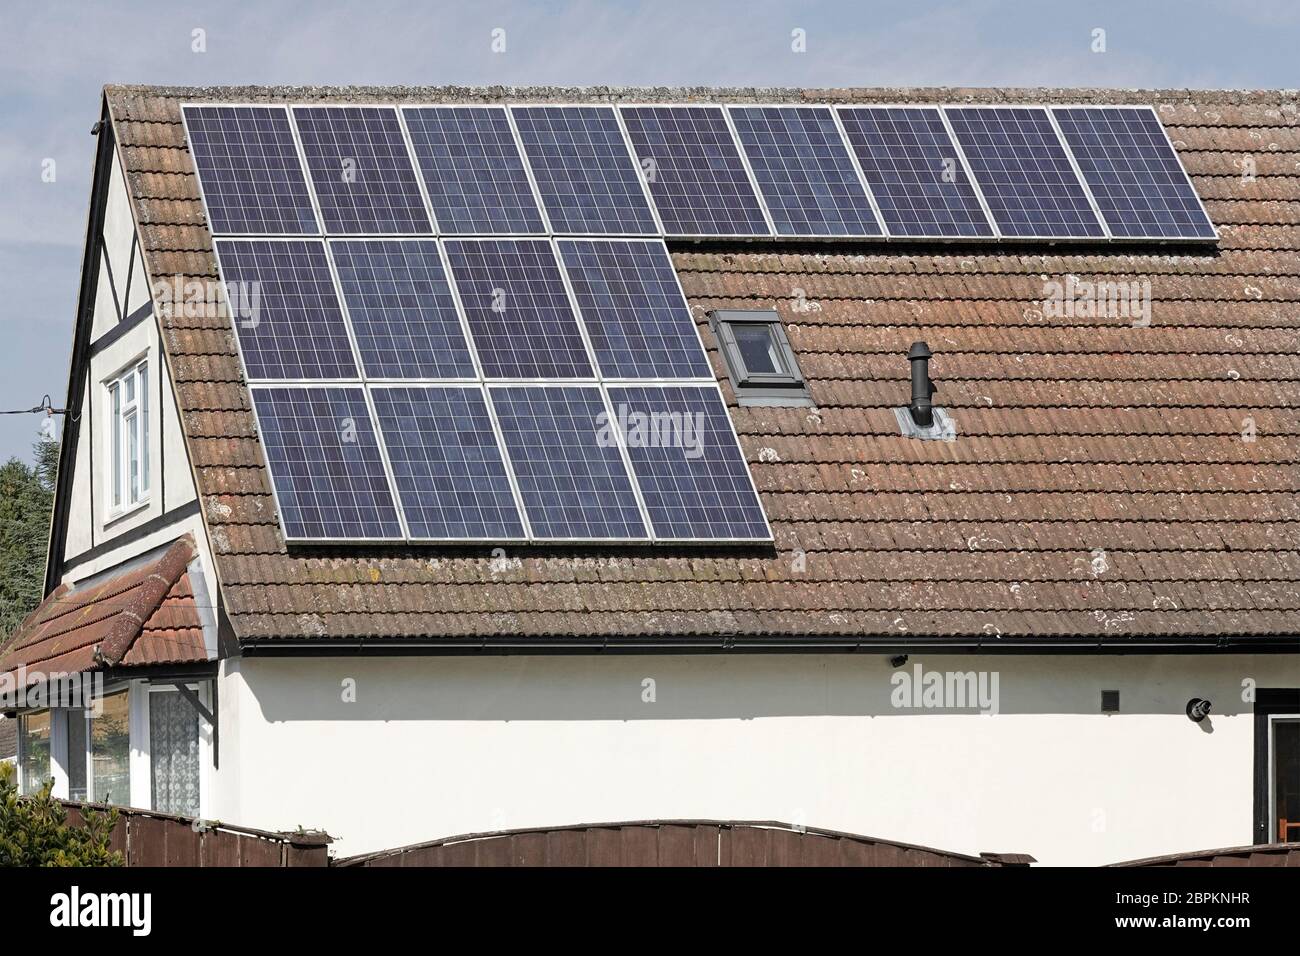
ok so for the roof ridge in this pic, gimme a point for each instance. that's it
(153, 590)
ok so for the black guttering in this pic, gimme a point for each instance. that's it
(299, 646)
(79, 363)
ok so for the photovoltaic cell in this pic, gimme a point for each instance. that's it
(476, 179)
(1024, 173)
(583, 170)
(518, 311)
(248, 168)
(639, 324)
(914, 172)
(696, 174)
(402, 310)
(286, 313)
(450, 477)
(804, 171)
(361, 169)
(567, 463)
(325, 463)
(692, 473)
(1134, 173)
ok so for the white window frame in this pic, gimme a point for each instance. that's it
(127, 418)
(142, 755)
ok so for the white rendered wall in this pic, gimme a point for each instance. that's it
(439, 746)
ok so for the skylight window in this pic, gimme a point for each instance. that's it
(759, 358)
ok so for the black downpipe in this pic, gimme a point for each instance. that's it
(922, 388)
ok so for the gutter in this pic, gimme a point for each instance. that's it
(299, 646)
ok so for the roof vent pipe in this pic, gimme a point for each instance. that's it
(922, 388)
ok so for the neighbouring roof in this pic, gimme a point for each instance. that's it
(141, 616)
(1099, 486)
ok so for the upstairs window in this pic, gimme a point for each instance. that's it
(759, 359)
(128, 439)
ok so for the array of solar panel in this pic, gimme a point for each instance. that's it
(735, 171)
(697, 176)
(402, 309)
(804, 171)
(447, 466)
(915, 172)
(1134, 174)
(567, 462)
(476, 179)
(1024, 172)
(361, 169)
(248, 164)
(584, 171)
(694, 480)
(285, 309)
(518, 309)
(636, 316)
(325, 463)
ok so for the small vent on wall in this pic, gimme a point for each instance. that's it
(1110, 702)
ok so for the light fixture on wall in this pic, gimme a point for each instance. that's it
(898, 660)
(1198, 709)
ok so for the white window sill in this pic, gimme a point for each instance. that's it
(115, 516)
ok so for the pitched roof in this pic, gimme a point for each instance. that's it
(143, 615)
(1099, 487)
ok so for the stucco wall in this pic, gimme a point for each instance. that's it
(437, 746)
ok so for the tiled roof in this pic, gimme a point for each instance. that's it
(144, 615)
(1099, 486)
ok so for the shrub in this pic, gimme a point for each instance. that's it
(34, 831)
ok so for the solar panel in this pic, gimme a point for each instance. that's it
(567, 463)
(475, 177)
(1024, 172)
(637, 319)
(402, 311)
(696, 174)
(913, 168)
(450, 477)
(691, 471)
(1134, 173)
(583, 170)
(804, 171)
(361, 169)
(325, 463)
(518, 310)
(287, 315)
(248, 166)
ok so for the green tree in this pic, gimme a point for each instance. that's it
(34, 831)
(26, 496)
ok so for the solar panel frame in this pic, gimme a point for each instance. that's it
(655, 227)
(625, 108)
(990, 204)
(362, 392)
(447, 225)
(315, 242)
(477, 389)
(893, 232)
(706, 370)
(316, 229)
(716, 391)
(429, 225)
(1053, 111)
(495, 389)
(881, 231)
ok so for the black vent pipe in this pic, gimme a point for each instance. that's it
(922, 388)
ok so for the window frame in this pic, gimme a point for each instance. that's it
(142, 745)
(788, 387)
(128, 419)
(1270, 704)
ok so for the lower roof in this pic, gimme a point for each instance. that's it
(1100, 487)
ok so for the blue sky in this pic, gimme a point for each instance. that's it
(55, 57)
